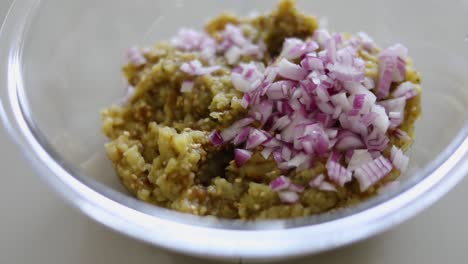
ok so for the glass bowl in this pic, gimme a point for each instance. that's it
(60, 64)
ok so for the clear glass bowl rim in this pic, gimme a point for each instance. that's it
(209, 237)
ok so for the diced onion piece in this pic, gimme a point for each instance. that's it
(312, 63)
(232, 131)
(293, 48)
(296, 188)
(242, 136)
(129, 92)
(326, 186)
(215, 138)
(266, 152)
(280, 183)
(135, 56)
(366, 41)
(290, 70)
(241, 83)
(187, 86)
(392, 67)
(348, 141)
(299, 160)
(346, 72)
(406, 90)
(341, 100)
(376, 141)
(233, 55)
(281, 123)
(381, 122)
(288, 197)
(256, 138)
(241, 156)
(195, 67)
(358, 101)
(360, 157)
(337, 173)
(368, 83)
(317, 180)
(399, 159)
(372, 172)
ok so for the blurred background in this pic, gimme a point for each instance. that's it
(36, 226)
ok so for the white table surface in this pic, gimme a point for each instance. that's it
(43, 229)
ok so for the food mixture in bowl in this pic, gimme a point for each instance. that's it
(263, 117)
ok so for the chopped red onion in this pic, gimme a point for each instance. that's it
(290, 70)
(395, 115)
(215, 138)
(359, 157)
(241, 156)
(299, 160)
(396, 105)
(381, 122)
(296, 188)
(399, 160)
(235, 45)
(326, 108)
(312, 63)
(187, 86)
(358, 101)
(368, 83)
(293, 48)
(241, 83)
(230, 132)
(391, 68)
(196, 68)
(331, 133)
(135, 56)
(266, 152)
(368, 118)
(286, 153)
(232, 55)
(129, 92)
(341, 100)
(191, 40)
(406, 89)
(289, 197)
(272, 143)
(337, 173)
(317, 180)
(278, 156)
(322, 94)
(372, 172)
(386, 68)
(326, 186)
(348, 141)
(376, 141)
(280, 90)
(245, 100)
(242, 136)
(281, 123)
(256, 138)
(321, 36)
(280, 183)
(366, 41)
(346, 72)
